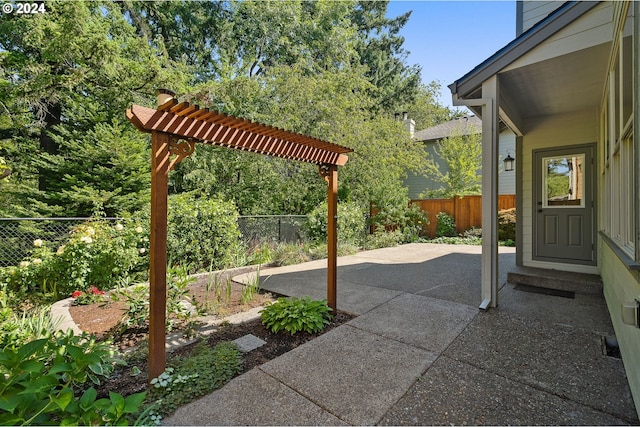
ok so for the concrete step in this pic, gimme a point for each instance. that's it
(579, 283)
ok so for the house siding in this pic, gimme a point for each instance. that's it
(551, 132)
(621, 286)
(535, 11)
(418, 184)
(593, 29)
(507, 180)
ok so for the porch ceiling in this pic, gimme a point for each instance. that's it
(571, 82)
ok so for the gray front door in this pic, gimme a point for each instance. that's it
(564, 225)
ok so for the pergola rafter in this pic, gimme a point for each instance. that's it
(190, 122)
(175, 128)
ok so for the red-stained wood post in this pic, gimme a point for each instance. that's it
(158, 253)
(331, 175)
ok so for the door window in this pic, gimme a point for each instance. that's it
(563, 181)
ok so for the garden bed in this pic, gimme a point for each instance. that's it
(103, 320)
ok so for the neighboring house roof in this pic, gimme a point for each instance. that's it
(534, 36)
(466, 125)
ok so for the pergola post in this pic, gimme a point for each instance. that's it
(158, 252)
(332, 236)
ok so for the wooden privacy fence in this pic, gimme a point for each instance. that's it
(467, 210)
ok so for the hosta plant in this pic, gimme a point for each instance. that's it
(45, 378)
(296, 314)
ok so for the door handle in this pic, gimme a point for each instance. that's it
(539, 210)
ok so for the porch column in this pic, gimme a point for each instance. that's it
(490, 158)
(158, 252)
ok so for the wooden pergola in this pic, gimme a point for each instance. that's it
(175, 129)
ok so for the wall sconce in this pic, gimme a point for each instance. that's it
(508, 162)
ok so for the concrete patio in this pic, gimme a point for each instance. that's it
(421, 353)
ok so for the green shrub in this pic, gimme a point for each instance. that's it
(319, 250)
(98, 253)
(188, 378)
(296, 314)
(507, 225)
(43, 380)
(383, 239)
(202, 232)
(351, 223)
(410, 220)
(289, 254)
(446, 225)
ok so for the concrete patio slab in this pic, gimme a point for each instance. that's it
(585, 311)
(448, 272)
(455, 393)
(242, 402)
(354, 374)
(558, 359)
(423, 322)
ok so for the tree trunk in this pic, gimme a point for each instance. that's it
(47, 144)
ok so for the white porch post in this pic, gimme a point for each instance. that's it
(490, 132)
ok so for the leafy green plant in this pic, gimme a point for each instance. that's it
(43, 379)
(97, 253)
(351, 223)
(398, 214)
(201, 231)
(507, 224)
(383, 239)
(17, 330)
(446, 225)
(206, 369)
(319, 250)
(93, 295)
(296, 314)
(251, 288)
(178, 305)
(290, 253)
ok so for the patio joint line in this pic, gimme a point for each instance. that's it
(542, 390)
(302, 395)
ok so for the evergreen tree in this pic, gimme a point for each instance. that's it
(380, 49)
(64, 72)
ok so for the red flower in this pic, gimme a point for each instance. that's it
(76, 294)
(95, 290)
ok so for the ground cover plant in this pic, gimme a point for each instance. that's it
(294, 315)
(45, 381)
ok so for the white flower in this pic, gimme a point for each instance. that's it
(90, 231)
(37, 243)
(119, 227)
(60, 250)
(86, 239)
(24, 264)
(37, 261)
(142, 250)
(139, 230)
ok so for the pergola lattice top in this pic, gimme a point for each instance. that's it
(193, 123)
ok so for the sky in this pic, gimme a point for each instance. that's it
(449, 38)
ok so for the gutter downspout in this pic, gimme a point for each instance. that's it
(489, 272)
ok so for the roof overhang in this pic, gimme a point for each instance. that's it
(558, 66)
(196, 124)
(560, 18)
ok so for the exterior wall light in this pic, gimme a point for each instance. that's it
(508, 162)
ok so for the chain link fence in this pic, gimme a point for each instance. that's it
(17, 234)
(257, 229)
